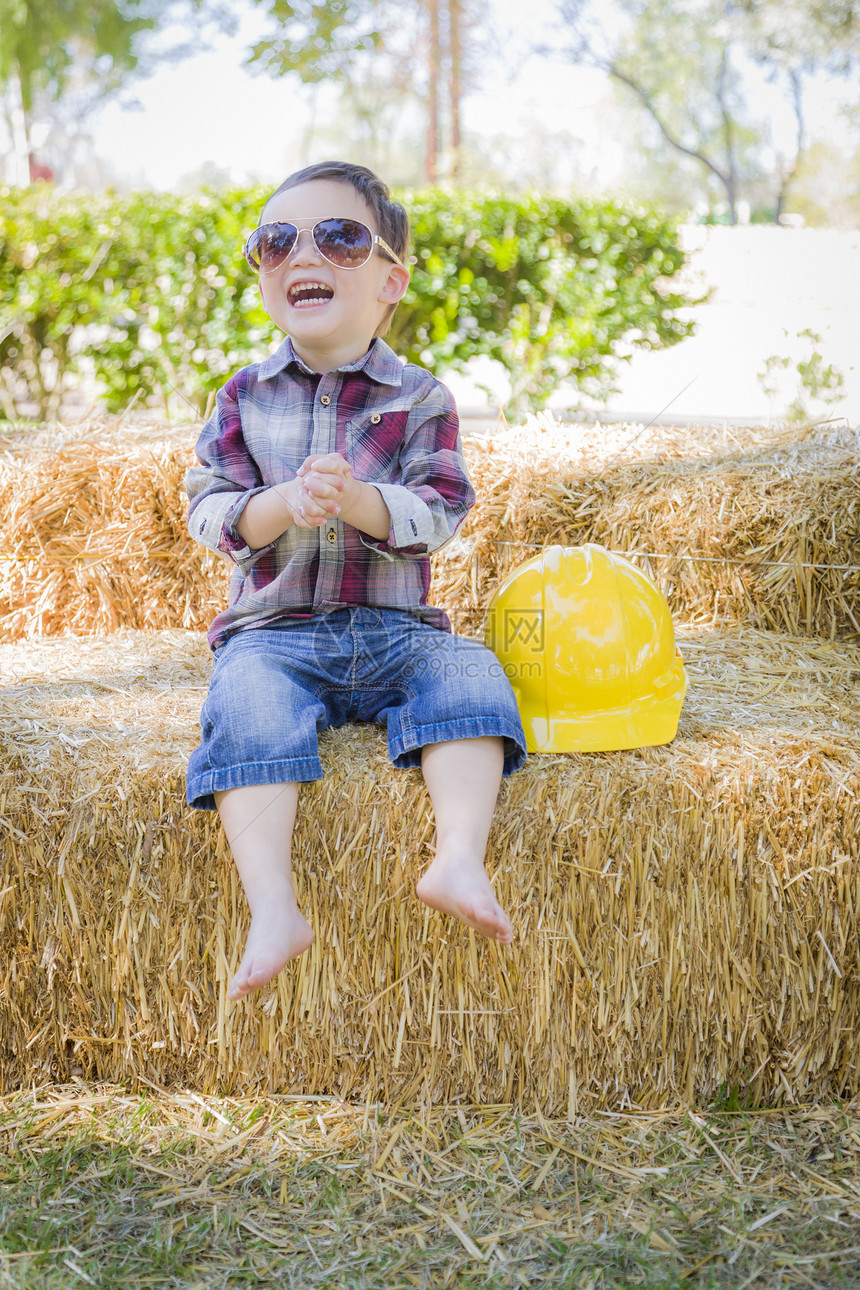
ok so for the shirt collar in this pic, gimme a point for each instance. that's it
(380, 363)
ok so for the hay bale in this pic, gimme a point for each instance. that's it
(686, 917)
(93, 535)
(764, 531)
(94, 532)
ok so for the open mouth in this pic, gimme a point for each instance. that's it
(303, 294)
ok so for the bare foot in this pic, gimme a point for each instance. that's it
(278, 933)
(462, 888)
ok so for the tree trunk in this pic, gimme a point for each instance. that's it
(434, 63)
(730, 173)
(455, 42)
(20, 130)
(786, 176)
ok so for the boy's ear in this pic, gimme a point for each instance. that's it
(394, 287)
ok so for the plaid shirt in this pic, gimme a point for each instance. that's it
(397, 427)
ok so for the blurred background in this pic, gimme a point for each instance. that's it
(740, 119)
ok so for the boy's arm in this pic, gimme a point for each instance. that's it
(232, 511)
(268, 515)
(223, 482)
(365, 509)
(433, 495)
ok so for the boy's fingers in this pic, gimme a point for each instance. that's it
(331, 463)
(309, 508)
(315, 504)
(323, 485)
(319, 487)
(309, 513)
(322, 480)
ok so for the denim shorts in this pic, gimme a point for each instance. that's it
(274, 688)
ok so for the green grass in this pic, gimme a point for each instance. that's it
(103, 1188)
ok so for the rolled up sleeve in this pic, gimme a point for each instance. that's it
(221, 485)
(433, 495)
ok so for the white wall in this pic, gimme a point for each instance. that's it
(767, 285)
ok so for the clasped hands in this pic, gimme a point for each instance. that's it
(322, 486)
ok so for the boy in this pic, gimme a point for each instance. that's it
(327, 474)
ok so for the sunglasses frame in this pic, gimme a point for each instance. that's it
(375, 241)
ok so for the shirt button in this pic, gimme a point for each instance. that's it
(375, 419)
(331, 535)
(326, 399)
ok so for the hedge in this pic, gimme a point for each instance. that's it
(150, 294)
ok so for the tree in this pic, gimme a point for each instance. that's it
(689, 64)
(382, 53)
(791, 40)
(86, 49)
(825, 32)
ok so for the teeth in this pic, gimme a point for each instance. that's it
(307, 286)
(306, 295)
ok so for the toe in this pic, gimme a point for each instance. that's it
(238, 988)
(490, 920)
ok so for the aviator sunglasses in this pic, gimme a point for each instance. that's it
(345, 243)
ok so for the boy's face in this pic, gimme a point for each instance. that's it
(330, 314)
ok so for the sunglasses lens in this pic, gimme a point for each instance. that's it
(344, 242)
(270, 245)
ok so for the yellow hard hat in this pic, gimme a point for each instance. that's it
(586, 641)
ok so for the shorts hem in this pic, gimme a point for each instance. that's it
(200, 792)
(405, 749)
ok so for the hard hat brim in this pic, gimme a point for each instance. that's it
(643, 724)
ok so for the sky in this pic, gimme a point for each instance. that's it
(209, 112)
(209, 108)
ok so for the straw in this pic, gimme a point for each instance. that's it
(686, 917)
(757, 526)
(762, 530)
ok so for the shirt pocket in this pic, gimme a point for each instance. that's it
(374, 442)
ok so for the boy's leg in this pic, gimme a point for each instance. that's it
(258, 820)
(463, 778)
